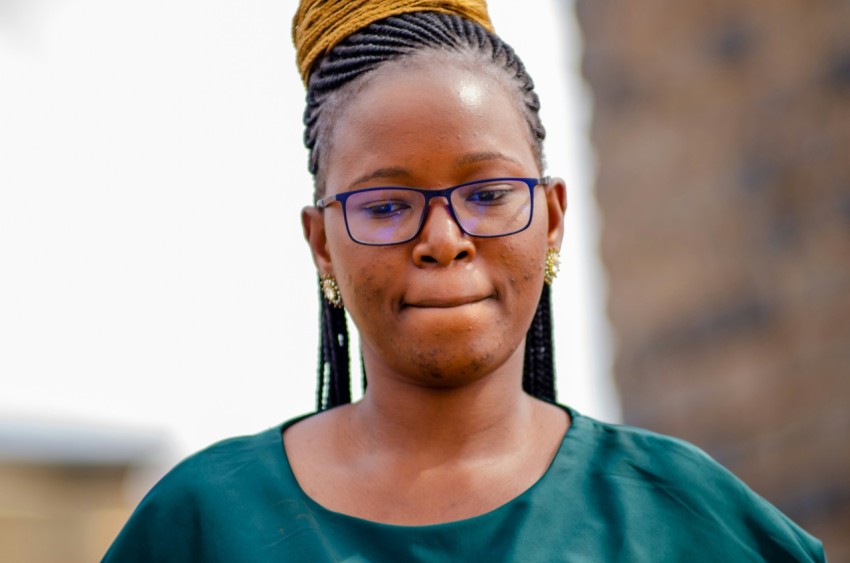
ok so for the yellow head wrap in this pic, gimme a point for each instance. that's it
(319, 25)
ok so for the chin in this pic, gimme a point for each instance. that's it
(459, 365)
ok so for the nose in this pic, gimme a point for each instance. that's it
(441, 241)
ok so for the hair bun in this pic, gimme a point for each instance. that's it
(319, 25)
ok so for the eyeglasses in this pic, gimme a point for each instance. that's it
(383, 216)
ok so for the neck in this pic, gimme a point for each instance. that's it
(418, 420)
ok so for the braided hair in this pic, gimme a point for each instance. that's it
(333, 81)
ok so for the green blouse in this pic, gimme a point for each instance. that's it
(612, 493)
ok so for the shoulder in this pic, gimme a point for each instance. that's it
(215, 470)
(627, 450)
(219, 464)
(676, 485)
(663, 469)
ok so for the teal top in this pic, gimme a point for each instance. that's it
(612, 493)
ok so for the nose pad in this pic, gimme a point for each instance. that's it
(441, 240)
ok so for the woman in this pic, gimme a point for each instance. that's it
(435, 228)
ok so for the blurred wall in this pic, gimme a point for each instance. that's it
(722, 131)
(60, 513)
(67, 488)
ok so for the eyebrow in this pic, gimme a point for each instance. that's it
(389, 172)
(465, 160)
(475, 157)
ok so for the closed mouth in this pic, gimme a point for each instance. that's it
(446, 302)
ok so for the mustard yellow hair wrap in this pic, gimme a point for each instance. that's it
(319, 25)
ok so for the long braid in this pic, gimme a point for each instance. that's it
(332, 82)
(334, 386)
(538, 373)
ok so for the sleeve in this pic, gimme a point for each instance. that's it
(752, 527)
(163, 528)
(775, 536)
(678, 500)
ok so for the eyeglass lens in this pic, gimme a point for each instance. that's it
(488, 209)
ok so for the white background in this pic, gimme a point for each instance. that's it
(153, 275)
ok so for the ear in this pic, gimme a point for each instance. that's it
(556, 202)
(313, 223)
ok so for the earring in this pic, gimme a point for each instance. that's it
(553, 265)
(330, 289)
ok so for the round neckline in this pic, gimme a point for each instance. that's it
(307, 499)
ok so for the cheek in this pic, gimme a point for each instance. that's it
(365, 288)
(524, 262)
(367, 278)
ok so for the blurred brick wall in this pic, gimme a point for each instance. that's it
(722, 131)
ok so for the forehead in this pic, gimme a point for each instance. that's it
(437, 76)
(424, 112)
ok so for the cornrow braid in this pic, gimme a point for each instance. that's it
(338, 75)
(335, 78)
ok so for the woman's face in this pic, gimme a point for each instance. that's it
(444, 308)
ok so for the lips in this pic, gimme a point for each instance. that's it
(446, 290)
(446, 302)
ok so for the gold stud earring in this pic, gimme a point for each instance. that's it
(553, 265)
(330, 289)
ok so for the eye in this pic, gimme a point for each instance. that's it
(383, 209)
(491, 194)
